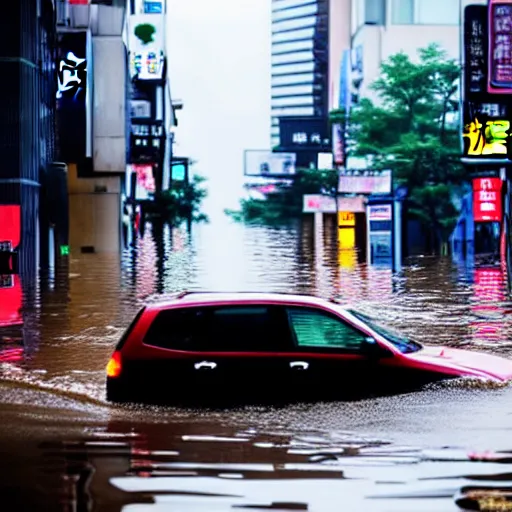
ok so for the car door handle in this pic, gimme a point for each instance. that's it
(299, 365)
(205, 365)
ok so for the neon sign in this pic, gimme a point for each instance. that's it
(487, 205)
(488, 138)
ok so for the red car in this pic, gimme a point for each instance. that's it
(208, 345)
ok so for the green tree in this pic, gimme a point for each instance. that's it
(181, 202)
(414, 131)
(286, 202)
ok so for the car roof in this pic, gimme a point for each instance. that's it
(190, 298)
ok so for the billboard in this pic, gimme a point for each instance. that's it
(365, 182)
(500, 47)
(318, 203)
(304, 133)
(267, 163)
(146, 42)
(144, 181)
(72, 92)
(487, 204)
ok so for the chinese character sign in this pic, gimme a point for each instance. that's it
(475, 50)
(500, 46)
(487, 206)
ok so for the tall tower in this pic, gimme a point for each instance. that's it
(300, 61)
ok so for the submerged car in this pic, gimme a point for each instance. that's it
(208, 345)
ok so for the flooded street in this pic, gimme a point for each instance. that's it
(65, 448)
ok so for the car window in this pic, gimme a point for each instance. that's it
(319, 329)
(400, 341)
(179, 329)
(222, 329)
(247, 328)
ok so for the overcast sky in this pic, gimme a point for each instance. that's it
(219, 55)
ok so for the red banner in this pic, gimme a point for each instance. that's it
(487, 205)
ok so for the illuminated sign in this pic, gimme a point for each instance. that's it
(72, 75)
(313, 203)
(145, 182)
(380, 212)
(487, 205)
(304, 133)
(346, 219)
(72, 95)
(489, 138)
(146, 44)
(500, 46)
(365, 182)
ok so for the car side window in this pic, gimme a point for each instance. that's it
(321, 330)
(247, 328)
(220, 329)
(179, 329)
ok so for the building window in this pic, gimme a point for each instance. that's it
(287, 14)
(299, 78)
(293, 90)
(293, 35)
(290, 58)
(375, 12)
(278, 26)
(425, 12)
(292, 46)
(288, 69)
(292, 101)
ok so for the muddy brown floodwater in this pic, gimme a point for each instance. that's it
(64, 448)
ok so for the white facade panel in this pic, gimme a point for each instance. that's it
(109, 104)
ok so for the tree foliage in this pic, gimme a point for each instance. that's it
(414, 131)
(286, 202)
(182, 201)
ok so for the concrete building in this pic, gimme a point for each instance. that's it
(27, 133)
(381, 28)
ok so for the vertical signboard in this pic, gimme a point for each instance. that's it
(487, 203)
(72, 121)
(146, 43)
(500, 47)
(475, 52)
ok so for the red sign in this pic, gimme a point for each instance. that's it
(487, 205)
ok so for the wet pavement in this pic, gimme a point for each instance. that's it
(65, 448)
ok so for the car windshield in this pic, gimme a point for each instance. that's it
(401, 342)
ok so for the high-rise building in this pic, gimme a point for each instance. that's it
(300, 45)
(308, 39)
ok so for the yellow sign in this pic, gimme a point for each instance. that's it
(347, 238)
(346, 219)
(490, 139)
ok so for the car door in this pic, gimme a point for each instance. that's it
(330, 360)
(243, 347)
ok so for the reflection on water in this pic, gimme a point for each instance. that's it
(395, 453)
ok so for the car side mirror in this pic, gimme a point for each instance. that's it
(373, 350)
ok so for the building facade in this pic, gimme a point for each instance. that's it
(300, 41)
(381, 28)
(151, 110)
(27, 135)
(308, 38)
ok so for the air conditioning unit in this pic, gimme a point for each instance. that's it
(62, 7)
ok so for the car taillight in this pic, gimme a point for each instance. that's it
(114, 365)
